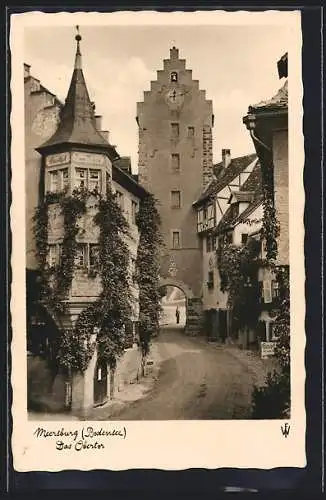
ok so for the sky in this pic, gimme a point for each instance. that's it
(236, 65)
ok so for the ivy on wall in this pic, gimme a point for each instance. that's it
(270, 227)
(238, 267)
(147, 270)
(113, 306)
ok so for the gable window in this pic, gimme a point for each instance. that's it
(175, 199)
(133, 211)
(191, 132)
(176, 239)
(175, 161)
(244, 238)
(175, 130)
(174, 76)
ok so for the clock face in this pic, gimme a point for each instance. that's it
(174, 97)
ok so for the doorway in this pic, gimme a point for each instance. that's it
(100, 382)
(174, 307)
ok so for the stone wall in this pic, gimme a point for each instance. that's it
(281, 189)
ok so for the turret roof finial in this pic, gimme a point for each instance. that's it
(78, 60)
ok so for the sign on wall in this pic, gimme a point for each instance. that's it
(57, 159)
(267, 349)
(88, 158)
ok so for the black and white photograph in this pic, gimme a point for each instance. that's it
(157, 250)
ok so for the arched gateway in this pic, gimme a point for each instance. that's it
(194, 312)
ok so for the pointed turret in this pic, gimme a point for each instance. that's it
(77, 124)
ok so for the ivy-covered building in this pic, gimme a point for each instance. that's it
(82, 243)
(229, 176)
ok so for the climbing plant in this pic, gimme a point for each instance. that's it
(238, 267)
(270, 226)
(113, 306)
(147, 270)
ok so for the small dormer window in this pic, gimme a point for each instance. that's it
(174, 76)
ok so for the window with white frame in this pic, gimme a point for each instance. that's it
(53, 255)
(81, 256)
(94, 183)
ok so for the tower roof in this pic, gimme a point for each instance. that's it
(77, 122)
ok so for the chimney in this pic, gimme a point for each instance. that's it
(26, 70)
(98, 122)
(105, 134)
(124, 162)
(226, 157)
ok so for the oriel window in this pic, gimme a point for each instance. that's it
(54, 181)
(81, 178)
(65, 178)
(94, 180)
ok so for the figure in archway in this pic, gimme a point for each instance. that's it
(177, 315)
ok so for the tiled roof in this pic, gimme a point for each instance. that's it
(244, 196)
(77, 123)
(278, 101)
(236, 166)
(254, 181)
(253, 186)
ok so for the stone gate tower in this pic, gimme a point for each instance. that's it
(175, 163)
